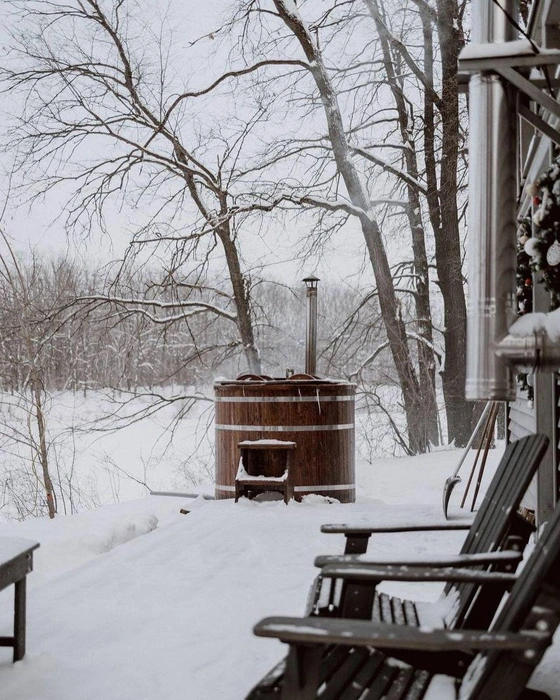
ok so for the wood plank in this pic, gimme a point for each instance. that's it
(410, 613)
(376, 612)
(418, 686)
(381, 683)
(340, 684)
(385, 605)
(523, 420)
(397, 611)
(365, 676)
(517, 431)
(521, 405)
(401, 684)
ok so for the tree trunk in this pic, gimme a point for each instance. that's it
(238, 282)
(425, 346)
(447, 239)
(36, 389)
(388, 302)
(242, 302)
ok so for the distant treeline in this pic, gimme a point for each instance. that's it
(79, 329)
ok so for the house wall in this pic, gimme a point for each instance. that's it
(543, 413)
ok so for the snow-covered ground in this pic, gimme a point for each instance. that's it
(136, 601)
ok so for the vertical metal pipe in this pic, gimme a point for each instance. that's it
(311, 330)
(492, 211)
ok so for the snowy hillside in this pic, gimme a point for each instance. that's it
(134, 600)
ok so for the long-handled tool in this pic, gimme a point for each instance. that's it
(488, 444)
(452, 481)
(483, 446)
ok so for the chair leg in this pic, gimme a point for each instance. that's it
(19, 619)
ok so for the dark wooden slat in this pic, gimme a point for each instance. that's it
(376, 608)
(457, 561)
(341, 682)
(386, 610)
(373, 574)
(397, 611)
(350, 633)
(345, 528)
(334, 657)
(365, 676)
(381, 683)
(418, 686)
(401, 684)
(410, 613)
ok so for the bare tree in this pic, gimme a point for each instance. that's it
(102, 116)
(357, 204)
(23, 314)
(402, 81)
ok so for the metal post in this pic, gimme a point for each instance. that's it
(311, 331)
(492, 211)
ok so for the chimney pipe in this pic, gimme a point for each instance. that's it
(311, 331)
(492, 211)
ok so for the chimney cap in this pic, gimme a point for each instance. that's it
(311, 281)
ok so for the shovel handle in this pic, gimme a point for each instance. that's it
(481, 420)
(479, 449)
(489, 436)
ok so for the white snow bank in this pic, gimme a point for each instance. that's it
(71, 540)
(170, 614)
(548, 323)
(519, 47)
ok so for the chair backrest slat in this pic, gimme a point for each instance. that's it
(497, 516)
(535, 595)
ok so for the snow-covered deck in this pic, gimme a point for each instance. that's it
(137, 601)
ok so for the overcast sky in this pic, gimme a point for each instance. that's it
(40, 227)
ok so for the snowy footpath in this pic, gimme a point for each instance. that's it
(135, 601)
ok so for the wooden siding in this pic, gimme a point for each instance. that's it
(521, 418)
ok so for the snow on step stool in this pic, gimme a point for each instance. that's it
(256, 457)
(270, 444)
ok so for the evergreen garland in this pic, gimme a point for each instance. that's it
(538, 248)
(539, 239)
(524, 271)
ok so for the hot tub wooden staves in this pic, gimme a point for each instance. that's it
(318, 415)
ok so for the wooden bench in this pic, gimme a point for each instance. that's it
(16, 561)
(347, 587)
(497, 527)
(264, 465)
(355, 659)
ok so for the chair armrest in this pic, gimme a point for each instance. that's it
(385, 636)
(416, 573)
(461, 560)
(344, 529)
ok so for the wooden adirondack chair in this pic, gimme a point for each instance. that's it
(360, 660)
(495, 542)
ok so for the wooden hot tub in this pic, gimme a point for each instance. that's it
(317, 414)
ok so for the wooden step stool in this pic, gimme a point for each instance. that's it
(264, 465)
